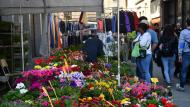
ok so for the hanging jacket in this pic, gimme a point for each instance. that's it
(122, 22)
(136, 20)
(131, 19)
(127, 23)
(113, 24)
(108, 25)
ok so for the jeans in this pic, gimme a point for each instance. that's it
(143, 65)
(169, 67)
(151, 68)
(185, 64)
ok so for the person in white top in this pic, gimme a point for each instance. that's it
(143, 64)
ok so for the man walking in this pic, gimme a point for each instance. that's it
(184, 54)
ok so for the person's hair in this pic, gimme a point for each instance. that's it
(156, 24)
(188, 21)
(143, 18)
(168, 33)
(143, 26)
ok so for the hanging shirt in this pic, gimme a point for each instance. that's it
(100, 25)
(113, 21)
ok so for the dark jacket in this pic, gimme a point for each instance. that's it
(93, 47)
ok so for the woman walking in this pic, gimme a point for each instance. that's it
(168, 47)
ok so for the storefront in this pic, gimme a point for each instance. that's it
(174, 11)
(26, 22)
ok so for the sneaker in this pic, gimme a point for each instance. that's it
(179, 88)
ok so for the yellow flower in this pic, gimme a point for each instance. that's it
(110, 91)
(55, 65)
(115, 82)
(38, 67)
(125, 101)
(89, 98)
(154, 80)
(110, 83)
(128, 89)
(136, 79)
(92, 88)
(47, 67)
(102, 96)
(154, 94)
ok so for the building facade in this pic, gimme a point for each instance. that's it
(142, 7)
(175, 11)
(155, 11)
(110, 6)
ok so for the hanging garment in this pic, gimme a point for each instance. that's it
(51, 31)
(136, 20)
(56, 31)
(62, 26)
(100, 25)
(59, 42)
(127, 23)
(83, 18)
(131, 19)
(113, 21)
(122, 22)
(108, 25)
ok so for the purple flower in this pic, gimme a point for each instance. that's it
(107, 65)
(20, 80)
(45, 103)
(73, 84)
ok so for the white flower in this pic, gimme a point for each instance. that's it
(138, 105)
(160, 106)
(20, 85)
(23, 91)
(72, 66)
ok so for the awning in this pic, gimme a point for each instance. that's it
(9, 7)
(155, 20)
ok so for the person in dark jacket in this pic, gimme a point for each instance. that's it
(168, 46)
(93, 48)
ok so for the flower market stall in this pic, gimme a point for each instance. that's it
(65, 80)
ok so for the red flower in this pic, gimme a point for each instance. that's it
(39, 61)
(90, 85)
(57, 73)
(163, 100)
(169, 105)
(151, 105)
(135, 105)
(62, 57)
(51, 58)
(58, 102)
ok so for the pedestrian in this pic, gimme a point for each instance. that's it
(184, 54)
(154, 40)
(178, 29)
(93, 48)
(168, 48)
(143, 61)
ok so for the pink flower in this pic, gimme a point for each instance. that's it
(36, 85)
(45, 103)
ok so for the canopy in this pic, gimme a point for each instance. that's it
(9, 7)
